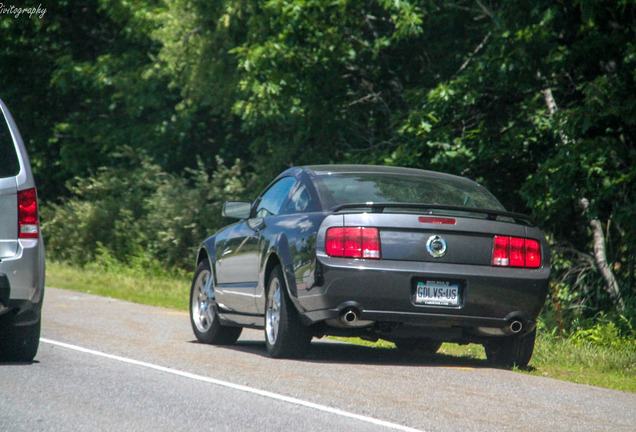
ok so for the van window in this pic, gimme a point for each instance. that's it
(9, 165)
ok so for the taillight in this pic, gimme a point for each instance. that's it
(501, 251)
(358, 242)
(533, 254)
(335, 242)
(516, 252)
(28, 224)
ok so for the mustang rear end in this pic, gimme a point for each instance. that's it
(457, 279)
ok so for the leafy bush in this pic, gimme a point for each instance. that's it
(183, 211)
(137, 214)
(577, 294)
(605, 332)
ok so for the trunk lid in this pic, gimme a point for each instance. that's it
(412, 237)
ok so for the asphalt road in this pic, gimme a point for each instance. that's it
(110, 365)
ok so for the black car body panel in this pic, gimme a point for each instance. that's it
(380, 292)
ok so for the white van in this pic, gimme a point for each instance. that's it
(22, 265)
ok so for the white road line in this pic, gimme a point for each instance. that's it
(233, 386)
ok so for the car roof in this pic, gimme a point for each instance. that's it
(379, 169)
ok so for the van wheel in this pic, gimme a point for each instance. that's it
(19, 343)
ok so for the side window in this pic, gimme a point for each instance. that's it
(300, 201)
(273, 199)
(9, 165)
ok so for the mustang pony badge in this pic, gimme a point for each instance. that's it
(436, 246)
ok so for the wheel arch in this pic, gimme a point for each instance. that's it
(207, 251)
(280, 254)
(202, 255)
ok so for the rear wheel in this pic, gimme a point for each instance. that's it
(285, 335)
(19, 343)
(418, 345)
(511, 351)
(203, 310)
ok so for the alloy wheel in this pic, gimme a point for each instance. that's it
(272, 321)
(203, 302)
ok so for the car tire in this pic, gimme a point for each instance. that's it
(511, 351)
(19, 343)
(418, 345)
(285, 334)
(204, 315)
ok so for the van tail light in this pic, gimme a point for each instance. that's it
(516, 252)
(28, 221)
(355, 242)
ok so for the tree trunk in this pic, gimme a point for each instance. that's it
(600, 255)
(600, 258)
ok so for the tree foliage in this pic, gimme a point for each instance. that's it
(536, 100)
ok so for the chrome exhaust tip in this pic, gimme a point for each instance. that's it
(349, 316)
(515, 326)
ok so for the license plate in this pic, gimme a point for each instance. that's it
(438, 293)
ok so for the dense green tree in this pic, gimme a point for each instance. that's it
(536, 100)
(84, 79)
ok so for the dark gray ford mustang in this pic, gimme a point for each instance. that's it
(410, 256)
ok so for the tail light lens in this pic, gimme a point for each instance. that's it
(516, 252)
(28, 222)
(533, 254)
(501, 251)
(335, 242)
(517, 258)
(355, 242)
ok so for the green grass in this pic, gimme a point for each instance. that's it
(563, 359)
(557, 358)
(126, 284)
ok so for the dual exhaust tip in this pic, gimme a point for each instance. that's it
(350, 317)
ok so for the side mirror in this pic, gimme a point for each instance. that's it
(237, 209)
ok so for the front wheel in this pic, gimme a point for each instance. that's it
(203, 310)
(285, 335)
(511, 351)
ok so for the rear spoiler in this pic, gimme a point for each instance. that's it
(490, 214)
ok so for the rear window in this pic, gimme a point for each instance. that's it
(340, 189)
(9, 165)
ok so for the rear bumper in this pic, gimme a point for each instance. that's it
(22, 282)
(383, 291)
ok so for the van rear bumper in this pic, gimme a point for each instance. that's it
(22, 283)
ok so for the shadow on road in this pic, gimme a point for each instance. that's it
(326, 351)
(19, 363)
